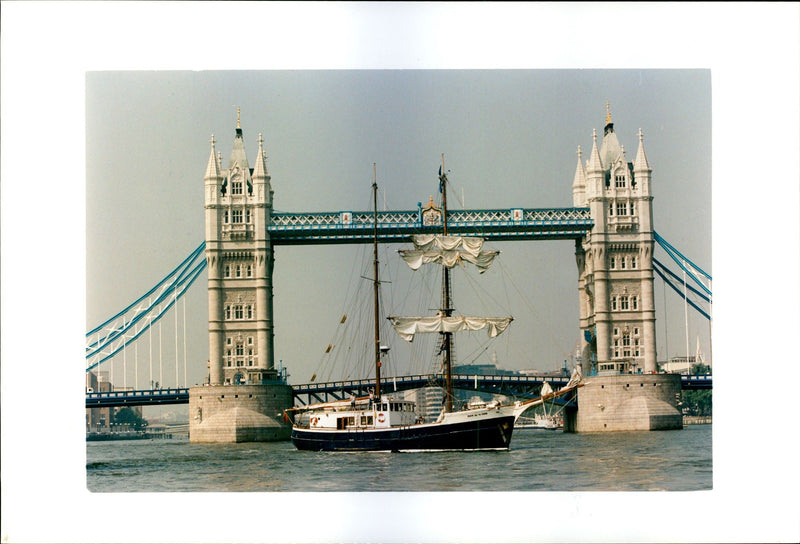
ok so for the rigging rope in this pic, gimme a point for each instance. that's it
(533, 310)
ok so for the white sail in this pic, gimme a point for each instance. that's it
(574, 379)
(448, 251)
(407, 327)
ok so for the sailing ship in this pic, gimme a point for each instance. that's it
(382, 423)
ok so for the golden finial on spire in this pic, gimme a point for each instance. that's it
(238, 117)
(608, 113)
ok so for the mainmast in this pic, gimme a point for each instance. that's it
(447, 310)
(447, 251)
(376, 282)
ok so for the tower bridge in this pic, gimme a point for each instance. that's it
(610, 224)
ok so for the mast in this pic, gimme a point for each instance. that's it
(376, 282)
(446, 303)
(447, 251)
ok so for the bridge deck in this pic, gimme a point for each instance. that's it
(518, 386)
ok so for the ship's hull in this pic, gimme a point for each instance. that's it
(483, 432)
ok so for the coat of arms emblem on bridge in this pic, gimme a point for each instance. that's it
(431, 215)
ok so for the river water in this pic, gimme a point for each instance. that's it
(537, 461)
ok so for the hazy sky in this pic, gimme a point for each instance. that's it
(509, 138)
(101, 196)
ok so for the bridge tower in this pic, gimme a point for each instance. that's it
(238, 203)
(617, 311)
(244, 397)
(615, 288)
(615, 270)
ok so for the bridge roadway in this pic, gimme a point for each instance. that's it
(304, 394)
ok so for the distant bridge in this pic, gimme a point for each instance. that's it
(304, 394)
(511, 385)
(138, 397)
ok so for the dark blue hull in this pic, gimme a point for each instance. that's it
(493, 433)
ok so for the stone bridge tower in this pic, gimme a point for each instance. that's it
(244, 397)
(238, 203)
(615, 271)
(615, 287)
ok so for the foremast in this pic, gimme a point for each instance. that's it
(376, 282)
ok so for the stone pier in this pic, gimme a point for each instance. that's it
(627, 402)
(239, 413)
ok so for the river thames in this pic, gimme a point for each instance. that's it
(549, 487)
(537, 461)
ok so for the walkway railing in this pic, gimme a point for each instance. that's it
(397, 226)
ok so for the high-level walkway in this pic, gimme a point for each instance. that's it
(398, 226)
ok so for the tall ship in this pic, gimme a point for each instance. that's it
(379, 422)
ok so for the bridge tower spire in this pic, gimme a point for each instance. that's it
(579, 183)
(615, 283)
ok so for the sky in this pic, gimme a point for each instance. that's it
(103, 162)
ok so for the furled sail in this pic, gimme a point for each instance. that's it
(448, 251)
(407, 327)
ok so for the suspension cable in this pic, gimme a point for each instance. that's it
(682, 261)
(179, 291)
(183, 266)
(678, 290)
